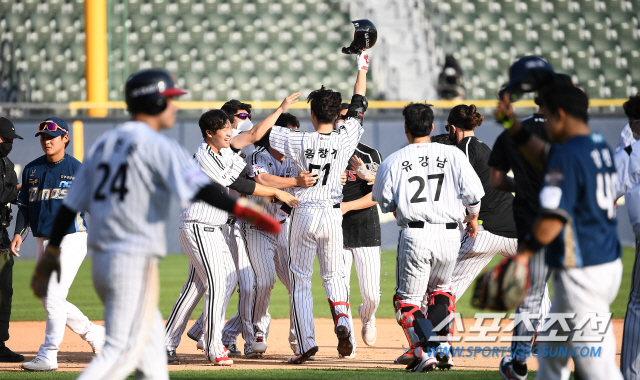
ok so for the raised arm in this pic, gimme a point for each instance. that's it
(533, 148)
(254, 134)
(360, 87)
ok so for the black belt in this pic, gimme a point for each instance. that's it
(230, 221)
(337, 205)
(449, 226)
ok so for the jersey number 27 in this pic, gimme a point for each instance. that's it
(421, 184)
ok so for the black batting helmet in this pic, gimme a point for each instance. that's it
(364, 37)
(146, 91)
(527, 74)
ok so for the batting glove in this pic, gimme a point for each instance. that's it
(363, 61)
(254, 214)
(48, 264)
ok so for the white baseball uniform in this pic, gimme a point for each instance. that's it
(428, 186)
(316, 224)
(263, 248)
(628, 166)
(125, 183)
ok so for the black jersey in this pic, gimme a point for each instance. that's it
(529, 179)
(496, 211)
(361, 228)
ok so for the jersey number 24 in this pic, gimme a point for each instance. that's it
(118, 182)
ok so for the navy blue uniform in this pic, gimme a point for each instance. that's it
(44, 186)
(580, 189)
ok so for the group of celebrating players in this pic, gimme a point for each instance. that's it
(449, 194)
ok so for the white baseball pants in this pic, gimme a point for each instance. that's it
(129, 288)
(210, 256)
(425, 261)
(630, 360)
(475, 254)
(368, 266)
(316, 230)
(190, 295)
(60, 312)
(582, 291)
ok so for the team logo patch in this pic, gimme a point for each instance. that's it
(33, 181)
(550, 197)
(32, 173)
(67, 177)
(554, 177)
(209, 229)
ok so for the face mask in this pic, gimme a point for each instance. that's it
(245, 125)
(5, 148)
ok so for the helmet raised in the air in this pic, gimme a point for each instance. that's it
(146, 91)
(364, 37)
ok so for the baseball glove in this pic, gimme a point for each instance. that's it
(49, 263)
(502, 288)
(254, 214)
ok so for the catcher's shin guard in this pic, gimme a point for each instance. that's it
(442, 305)
(416, 327)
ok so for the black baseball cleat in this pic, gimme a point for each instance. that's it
(8, 356)
(345, 348)
(233, 350)
(172, 358)
(301, 358)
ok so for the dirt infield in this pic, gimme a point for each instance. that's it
(75, 354)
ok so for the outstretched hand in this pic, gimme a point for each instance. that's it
(362, 171)
(289, 100)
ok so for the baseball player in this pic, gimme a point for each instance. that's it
(224, 167)
(267, 252)
(188, 300)
(526, 183)
(577, 223)
(316, 223)
(46, 182)
(628, 165)
(428, 186)
(361, 233)
(125, 184)
(191, 293)
(497, 232)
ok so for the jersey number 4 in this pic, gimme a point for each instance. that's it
(118, 183)
(325, 169)
(421, 184)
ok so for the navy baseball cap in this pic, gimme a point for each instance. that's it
(7, 130)
(53, 126)
(527, 75)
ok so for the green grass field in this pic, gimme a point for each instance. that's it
(173, 273)
(312, 374)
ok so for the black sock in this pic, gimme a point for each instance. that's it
(520, 367)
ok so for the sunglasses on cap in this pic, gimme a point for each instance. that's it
(243, 116)
(51, 127)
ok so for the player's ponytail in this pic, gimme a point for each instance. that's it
(465, 117)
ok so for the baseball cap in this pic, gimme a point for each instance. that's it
(526, 75)
(53, 126)
(7, 129)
